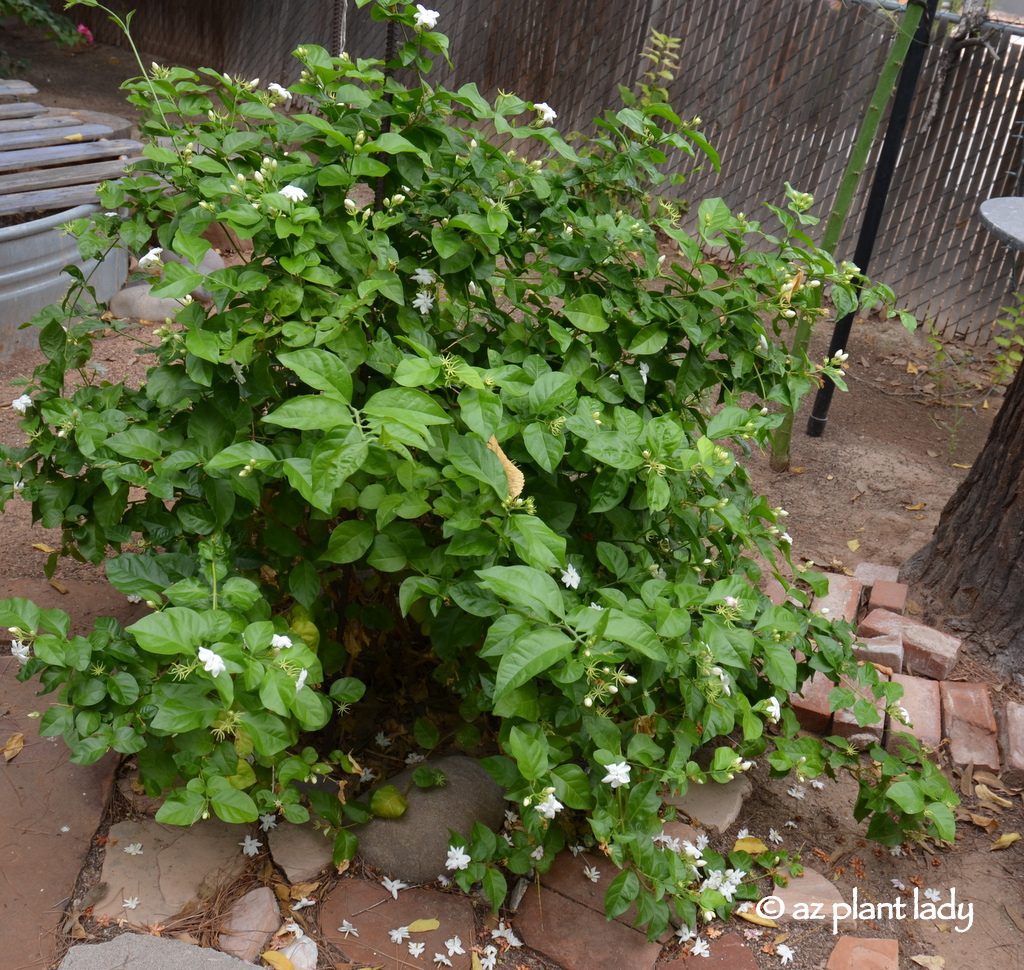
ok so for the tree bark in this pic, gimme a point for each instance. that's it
(970, 575)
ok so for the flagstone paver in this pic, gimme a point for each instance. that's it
(712, 805)
(579, 938)
(134, 952)
(300, 851)
(249, 924)
(812, 888)
(176, 867)
(370, 908)
(49, 811)
(728, 952)
(864, 953)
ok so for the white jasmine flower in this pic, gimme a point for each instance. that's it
(700, 948)
(731, 602)
(65, 828)
(18, 486)
(300, 681)
(898, 884)
(423, 302)
(842, 356)
(743, 833)
(669, 842)
(644, 369)
(505, 933)
(279, 641)
(133, 848)
(489, 958)
(684, 934)
(441, 960)
(303, 903)
(510, 817)
(618, 774)
(744, 907)
(774, 837)
(933, 894)
(546, 112)
(818, 784)
(131, 902)
(278, 91)
(773, 709)
(458, 858)
(762, 342)
(399, 935)
(268, 822)
(550, 807)
(444, 881)
(538, 854)
(21, 651)
(213, 663)
(576, 849)
(133, 598)
(702, 842)
(294, 194)
(152, 262)
(21, 404)
(412, 758)
(592, 873)
(416, 949)
(454, 946)
(347, 929)
(902, 715)
(797, 792)
(790, 824)
(367, 775)
(896, 850)
(425, 19)
(570, 577)
(785, 954)
(423, 276)
(394, 886)
(251, 846)
(786, 538)
(382, 741)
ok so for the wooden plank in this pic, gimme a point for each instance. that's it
(16, 89)
(63, 154)
(38, 123)
(64, 175)
(47, 200)
(21, 109)
(56, 136)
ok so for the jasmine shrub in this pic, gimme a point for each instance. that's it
(485, 415)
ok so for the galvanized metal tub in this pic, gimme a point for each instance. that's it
(32, 257)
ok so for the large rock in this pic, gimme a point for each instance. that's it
(414, 847)
(138, 303)
(131, 952)
(712, 805)
(300, 851)
(249, 924)
(177, 866)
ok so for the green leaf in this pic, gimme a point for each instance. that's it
(529, 655)
(572, 787)
(473, 458)
(426, 734)
(481, 410)
(494, 887)
(349, 541)
(907, 796)
(537, 544)
(182, 807)
(181, 708)
(311, 412)
(530, 748)
(138, 443)
(522, 586)
(624, 889)
(586, 313)
(636, 634)
(228, 803)
(545, 448)
(780, 665)
(176, 630)
(320, 369)
(615, 449)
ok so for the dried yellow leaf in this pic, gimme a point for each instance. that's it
(60, 587)
(987, 795)
(984, 822)
(1005, 841)
(958, 464)
(277, 960)
(43, 547)
(750, 844)
(929, 962)
(77, 136)
(916, 507)
(13, 746)
(853, 545)
(301, 889)
(752, 917)
(514, 477)
(423, 925)
(477, 965)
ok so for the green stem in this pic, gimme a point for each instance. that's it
(844, 199)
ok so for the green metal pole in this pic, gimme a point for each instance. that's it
(844, 197)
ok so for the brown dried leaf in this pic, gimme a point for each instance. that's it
(916, 507)
(987, 795)
(983, 822)
(301, 889)
(853, 545)
(1005, 841)
(988, 778)
(13, 747)
(929, 962)
(967, 780)
(60, 587)
(282, 892)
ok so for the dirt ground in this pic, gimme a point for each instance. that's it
(872, 488)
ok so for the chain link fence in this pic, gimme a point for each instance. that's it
(781, 88)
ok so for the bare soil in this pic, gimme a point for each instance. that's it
(872, 488)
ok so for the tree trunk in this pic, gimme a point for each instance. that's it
(970, 576)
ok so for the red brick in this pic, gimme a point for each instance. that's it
(926, 652)
(1013, 743)
(870, 573)
(842, 600)
(888, 596)
(577, 937)
(922, 702)
(887, 651)
(859, 953)
(845, 725)
(811, 705)
(728, 952)
(970, 725)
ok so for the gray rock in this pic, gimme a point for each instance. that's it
(712, 805)
(131, 952)
(177, 866)
(210, 263)
(300, 851)
(138, 303)
(249, 924)
(414, 847)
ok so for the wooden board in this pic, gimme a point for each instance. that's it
(36, 158)
(48, 200)
(38, 123)
(44, 178)
(54, 136)
(21, 109)
(16, 89)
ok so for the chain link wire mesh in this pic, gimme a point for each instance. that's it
(781, 89)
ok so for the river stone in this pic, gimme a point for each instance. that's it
(415, 847)
(138, 303)
(249, 923)
(210, 263)
(300, 851)
(131, 952)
